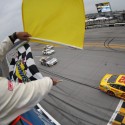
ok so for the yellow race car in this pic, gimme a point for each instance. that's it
(113, 85)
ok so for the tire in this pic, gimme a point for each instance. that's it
(48, 65)
(110, 93)
(43, 64)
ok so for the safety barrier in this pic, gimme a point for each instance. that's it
(119, 24)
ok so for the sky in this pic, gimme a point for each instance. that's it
(11, 17)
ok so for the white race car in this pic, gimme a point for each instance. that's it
(48, 47)
(48, 61)
(48, 51)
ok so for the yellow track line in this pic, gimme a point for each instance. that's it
(102, 45)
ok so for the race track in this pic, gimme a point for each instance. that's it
(77, 100)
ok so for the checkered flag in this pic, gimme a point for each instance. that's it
(22, 68)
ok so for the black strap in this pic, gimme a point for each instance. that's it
(13, 37)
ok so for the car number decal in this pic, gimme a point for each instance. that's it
(122, 79)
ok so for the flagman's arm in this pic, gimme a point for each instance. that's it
(15, 99)
(7, 43)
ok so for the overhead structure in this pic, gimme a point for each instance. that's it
(103, 7)
(56, 21)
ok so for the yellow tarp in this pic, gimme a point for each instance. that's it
(61, 21)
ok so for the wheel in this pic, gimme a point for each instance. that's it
(42, 63)
(48, 65)
(110, 93)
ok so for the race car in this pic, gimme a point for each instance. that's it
(113, 85)
(48, 47)
(48, 51)
(48, 61)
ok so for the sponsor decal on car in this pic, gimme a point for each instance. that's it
(122, 80)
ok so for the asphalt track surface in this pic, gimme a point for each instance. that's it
(77, 100)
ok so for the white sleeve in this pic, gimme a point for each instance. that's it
(5, 46)
(22, 98)
(33, 92)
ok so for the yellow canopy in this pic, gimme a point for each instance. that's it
(57, 21)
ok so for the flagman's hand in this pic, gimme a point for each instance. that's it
(23, 35)
(55, 81)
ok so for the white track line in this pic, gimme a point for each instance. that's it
(116, 112)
